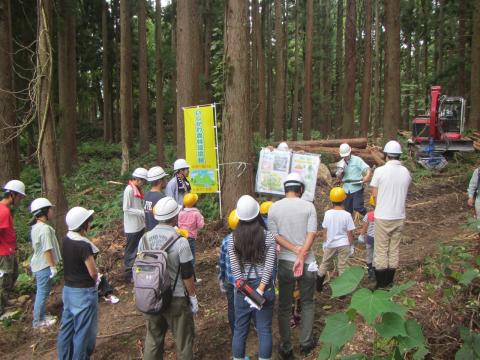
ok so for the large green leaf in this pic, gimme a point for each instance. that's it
(354, 357)
(392, 325)
(414, 338)
(348, 281)
(372, 304)
(338, 329)
(328, 352)
(468, 276)
(395, 290)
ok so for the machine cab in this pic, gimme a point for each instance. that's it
(451, 117)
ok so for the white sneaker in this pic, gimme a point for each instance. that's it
(112, 299)
(48, 322)
(50, 317)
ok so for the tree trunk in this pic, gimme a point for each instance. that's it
(378, 71)
(339, 63)
(426, 41)
(9, 157)
(236, 124)
(367, 71)
(159, 128)
(324, 67)
(269, 53)
(106, 76)
(408, 80)
(52, 185)
(391, 113)
(257, 19)
(207, 52)
(307, 112)
(462, 40)
(296, 83)
(142, 80)
(67, 85)
(188, 60)
(474, 118)
(279, 116)
(438, 57)
(350, 70)
(126, 111)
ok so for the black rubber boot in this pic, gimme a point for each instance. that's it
(389, 277)
(320, 280)
(381, 276)
(371, 272)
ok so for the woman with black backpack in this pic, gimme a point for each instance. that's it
(252, 254)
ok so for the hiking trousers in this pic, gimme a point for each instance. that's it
(342, 253)
(177, 317)
(388, 234)
(131, 249)
(8, 265)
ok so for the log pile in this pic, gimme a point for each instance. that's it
(476, 140)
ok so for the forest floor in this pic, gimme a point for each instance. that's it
(436, 210)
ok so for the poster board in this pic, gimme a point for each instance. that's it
(306, 165)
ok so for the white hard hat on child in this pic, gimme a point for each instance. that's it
(39, 204)
(392, 147)
(283, 146)
(166, 208)
(345, 150)
(140, 173)
(76, 216)
(247, 208)
(293, 179)
(156, 173)
(15, 185)
(180, 164)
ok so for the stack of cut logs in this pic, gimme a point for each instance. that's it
(476, 140)
(370, 154)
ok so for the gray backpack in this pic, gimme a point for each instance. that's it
(152, 284)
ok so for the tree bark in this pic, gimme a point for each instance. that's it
(408, 79)
(207, 51)
(159, 128)
(269, 54)
(126, 111)
(324, 67)
(367, 71)
(257, 19)
(378, 71)
(142, 80)
(474, 118)
(279, 115)
(67, 85)
(106, 76)
(52, 185)
(188, 59)
(307, 112)
(236, 124)
(391, 113)
(9, 156)
(438, 56)
(350, 70)
(296, 82)
(462, 40)
(339, 63)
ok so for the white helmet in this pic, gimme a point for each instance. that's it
(15, 185)
(76, 216)
(247, 208)
(180, 164)
(166, 208)
(39, 204)
(140, 173)
(156, 173)
(392, 147)
(344, 150)
(283, 146)
(293, 179)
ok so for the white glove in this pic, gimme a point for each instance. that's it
(251, 303)
(53, 271)
(99, 278)
(361, 238)
(352, 250)
(194, 304)
(221, 284)
(1, 274)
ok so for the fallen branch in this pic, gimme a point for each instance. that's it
(121, 332)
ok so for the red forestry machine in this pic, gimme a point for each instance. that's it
(440, 131)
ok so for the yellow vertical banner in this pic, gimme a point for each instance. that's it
(200, 148)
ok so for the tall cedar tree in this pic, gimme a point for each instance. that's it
(126, 111)
(189, 63)
(67, 89)
(142, 79)
(378, 71)
(257, 23)
(236, 124)
(350, 70)
(9, 157)
(391, 112)
(325, 66)
(296, 81)
(367, 71)
(207, 51)
(52, 185)
(462, 43)
(159, 129)
(339, 62)
(307, 112)
(106, 76)
(474, 119)
(279, 71)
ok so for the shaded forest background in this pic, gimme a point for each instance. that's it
(119, 72)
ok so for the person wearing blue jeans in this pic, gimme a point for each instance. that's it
(252, 253)
(76, 339)
(44, 285)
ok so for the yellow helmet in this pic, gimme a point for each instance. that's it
(265, 206)
(233, 220)
(372, 200)
(337, 195)
(189, 200)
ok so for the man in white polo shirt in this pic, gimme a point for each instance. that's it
(389, 184)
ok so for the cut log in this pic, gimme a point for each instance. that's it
(360, 143)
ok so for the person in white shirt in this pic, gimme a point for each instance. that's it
(338, 229)
(389, 184)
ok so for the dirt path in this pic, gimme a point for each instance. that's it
(435, 212)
